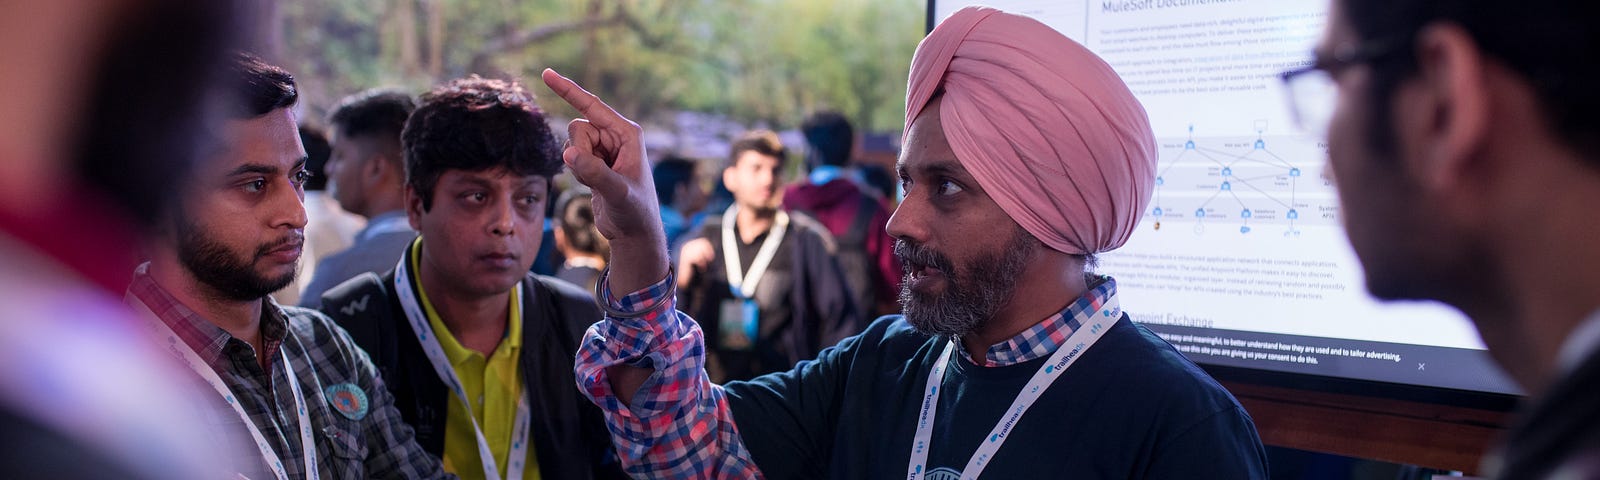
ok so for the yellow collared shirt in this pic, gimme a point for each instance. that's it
(493, 384)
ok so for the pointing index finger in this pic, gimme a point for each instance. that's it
(589, 105)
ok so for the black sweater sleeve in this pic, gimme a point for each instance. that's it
(788, 420)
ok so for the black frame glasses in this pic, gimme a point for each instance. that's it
(1310, 89)
(1345, 57)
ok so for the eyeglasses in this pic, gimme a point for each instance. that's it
(1312, 91)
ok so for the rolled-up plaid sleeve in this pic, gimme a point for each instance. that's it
(677, 426)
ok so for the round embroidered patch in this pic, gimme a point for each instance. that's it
(943, 473)
(347, 399)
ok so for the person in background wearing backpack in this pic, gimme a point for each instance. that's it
(856, 216)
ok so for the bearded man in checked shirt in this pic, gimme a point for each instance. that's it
(290, 395)
(1024, 156)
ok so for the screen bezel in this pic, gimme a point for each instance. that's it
(1475, 399)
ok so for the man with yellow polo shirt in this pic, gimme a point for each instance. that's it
(476, 350)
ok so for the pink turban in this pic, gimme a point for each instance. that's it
(1081, 159)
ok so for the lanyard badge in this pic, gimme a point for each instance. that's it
(1065, 355)
(441, 366)
(739, 318)
(183, 353)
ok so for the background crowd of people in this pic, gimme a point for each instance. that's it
(476, 292)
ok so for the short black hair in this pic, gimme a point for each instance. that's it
(380, 112)
(256, 88)
(575, 215)
(764, 142)
(668, 174)
(1549, 43)
(880, 180)
(477, 124)
(317, 153)
(829, 138)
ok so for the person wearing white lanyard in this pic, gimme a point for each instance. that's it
(295, 398)
(477, 349)
(1024, 155)
(366, 174)
(765, 281)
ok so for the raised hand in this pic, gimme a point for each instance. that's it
(605, 152)
(695, 257)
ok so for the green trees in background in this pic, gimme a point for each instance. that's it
(752, 61)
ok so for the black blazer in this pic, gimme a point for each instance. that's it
(569, 433)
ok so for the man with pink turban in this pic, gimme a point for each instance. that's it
(1024, 156)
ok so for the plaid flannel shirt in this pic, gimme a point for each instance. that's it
(678, 425)
(369, 442)
(1043, 338)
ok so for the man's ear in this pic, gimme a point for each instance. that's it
(414, 208)
(727, 177)
(1449, 105)
(374, 167)
(394, 163)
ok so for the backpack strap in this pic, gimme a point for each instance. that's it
(361, 306)
(856, 236)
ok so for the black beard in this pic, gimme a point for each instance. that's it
(972, 294)
(231, 277)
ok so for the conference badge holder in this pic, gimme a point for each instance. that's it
(738, 324)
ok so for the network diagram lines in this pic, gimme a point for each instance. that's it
(1240, 180)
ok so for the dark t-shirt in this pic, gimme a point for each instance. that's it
(777, 280)
(1131, 407)
(775, 349)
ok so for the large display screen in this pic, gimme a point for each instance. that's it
(1240, 260)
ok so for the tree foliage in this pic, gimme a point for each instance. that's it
(757, 62)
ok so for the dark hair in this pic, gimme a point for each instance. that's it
(1550, 43)
(476, 124)
(317, 153)
(575, 214)
(880, 180)
(668, 174)
(764, 142)
(829, 138)
(144, 124)
(380, 112)
(256, 87)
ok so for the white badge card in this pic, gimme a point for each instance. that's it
(738, 323)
